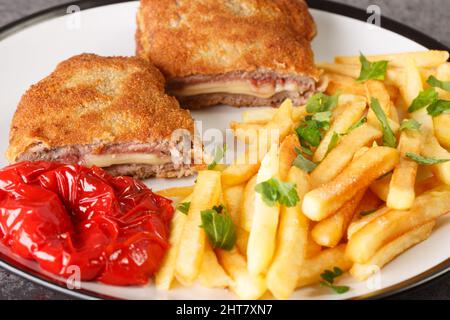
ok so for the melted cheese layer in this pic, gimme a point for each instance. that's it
(107, 160)
(235, 87)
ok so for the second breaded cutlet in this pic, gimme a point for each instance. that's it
(239, 52)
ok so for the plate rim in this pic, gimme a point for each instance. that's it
(321, 5)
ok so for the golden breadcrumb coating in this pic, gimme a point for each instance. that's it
(92, 99)
(187, 37)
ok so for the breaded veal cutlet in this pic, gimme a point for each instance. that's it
(111, 112)
(236, 52)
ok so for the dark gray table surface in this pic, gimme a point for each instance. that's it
(430, 17)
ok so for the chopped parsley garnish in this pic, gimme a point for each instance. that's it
(425, 98)
(410, 124)
(426, 161)
(303, 163)
(329, 276)
(320, 102)
(309, 132)
(333, 142)
(218, 156)
(388, 135)
(357, 124)
(430, 98)
(434, 82)
(219, 227)
(274, 190)
(438, 107)
(372, 70)
(183, 207)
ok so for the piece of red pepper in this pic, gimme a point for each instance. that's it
(114, 229)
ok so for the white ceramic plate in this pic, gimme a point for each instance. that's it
(31, 48)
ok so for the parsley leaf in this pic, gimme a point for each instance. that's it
(357, 124)
(434, 82)
(307, 150)
(426, 161)
(388, 135)
(438, 107)
(333, 142)
(274, 190)
(219, 154)
(183, 207)
(303, 163)
(337, 289)
(320, 102)
(219, 227)
(410, 124)
(424, 99)
(371, 70)
(309, 132)
(329, 276)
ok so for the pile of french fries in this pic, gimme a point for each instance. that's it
(363, 205)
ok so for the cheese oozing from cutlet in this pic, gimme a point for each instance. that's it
(107, 160)
(235, 87)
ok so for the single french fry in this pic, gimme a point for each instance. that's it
(380, 187)
(358, 224)
(394, 93)
(391, 250)
(177, 192)
(393, 74)
(327, 259)
(363, 245)
(312, 248)
(443, 74)
(322, 202)
(258, 115)
(280, 126)
(330, 231)
(206, 194)
(377, 89)
(340, 125)
(360, 152)
(247, 208)
(425, 59)
(242, 170)
(342, 154)
(339, 83)
(244, 284)
(348, 70)
(287, 154)
(233, 199)
(442, 122)
(242, 240)
(427, 184)
(246, 132)
(442, 129)
(369, 201)
(261, 242)
(411, 87)
(432, 148)
(165, 275)
(282, 120)
(292, 238)
(401, 188)
(211, 274)
(262, 116)
(394, 115)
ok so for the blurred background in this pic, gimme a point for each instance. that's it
(430, 17)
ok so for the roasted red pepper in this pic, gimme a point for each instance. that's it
(114, 229)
